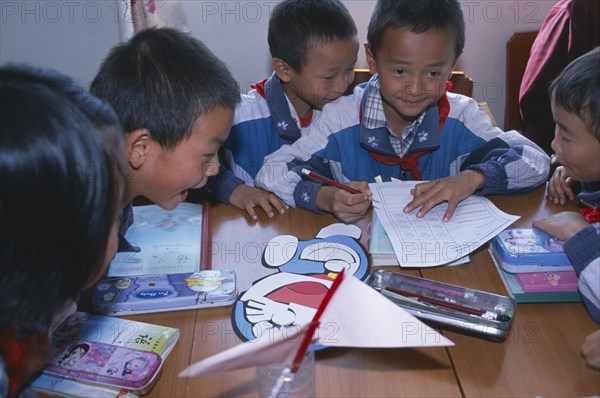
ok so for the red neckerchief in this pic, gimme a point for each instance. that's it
(591, 214)
(411, 162)
(305, 121)
(260, 87)
(14, 353)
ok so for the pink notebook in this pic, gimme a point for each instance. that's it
(558, 281)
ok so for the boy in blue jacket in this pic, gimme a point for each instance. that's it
(575, 100)
(404, 124)
(314, 47)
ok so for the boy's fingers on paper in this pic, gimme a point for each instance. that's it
(450, 210)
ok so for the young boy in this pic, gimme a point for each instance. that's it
(404, 125)
(314, 47)
(575, 100)
(175, 100)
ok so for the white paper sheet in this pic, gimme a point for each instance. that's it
(428, 241)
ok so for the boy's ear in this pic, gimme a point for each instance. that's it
(138, 146)
(281, 69)
(370, 59)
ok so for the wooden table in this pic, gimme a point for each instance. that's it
(539, 358)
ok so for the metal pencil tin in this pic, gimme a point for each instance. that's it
(469, 311)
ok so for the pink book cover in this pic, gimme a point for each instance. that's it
(558, 281)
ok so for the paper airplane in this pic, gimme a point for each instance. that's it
(355, 316)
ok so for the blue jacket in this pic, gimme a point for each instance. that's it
(264, 121)
(583, 250)
(338, 145)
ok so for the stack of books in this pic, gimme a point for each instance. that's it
(534, 267)
(381, 249)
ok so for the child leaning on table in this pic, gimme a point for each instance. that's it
(404, 124)
(314, 48)
(175, 101)
(60, 198)
(575, 100)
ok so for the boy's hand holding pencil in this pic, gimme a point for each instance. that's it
(349, 203)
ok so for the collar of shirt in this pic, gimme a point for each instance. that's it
(282, 111)
(126, 221)
(422, 135)
(408, 135)
(374, 117)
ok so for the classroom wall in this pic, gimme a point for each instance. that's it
(74, 36)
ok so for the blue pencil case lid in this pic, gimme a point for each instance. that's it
(529, 247)
(156, 293)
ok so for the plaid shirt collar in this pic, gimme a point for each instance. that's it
(374, 117)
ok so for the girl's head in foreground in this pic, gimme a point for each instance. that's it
(575, 100)
(60, 193)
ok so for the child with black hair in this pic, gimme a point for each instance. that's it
(60, 196)
(575, 101)
(175, 100)
(403, 124)
(314, 48)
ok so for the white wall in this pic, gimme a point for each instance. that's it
(74, 36)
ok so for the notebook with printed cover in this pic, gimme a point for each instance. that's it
(170, 241)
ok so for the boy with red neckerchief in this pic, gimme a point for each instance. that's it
(575, 100)
(314, 47)
(403, 124)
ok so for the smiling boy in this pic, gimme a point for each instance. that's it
(575, 101)
(175, 100)
(403, 124)
(314, 49)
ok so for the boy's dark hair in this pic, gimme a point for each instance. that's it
(163, 80)
(417, 17)
(60, 191)
(297, 25)
(577, 89)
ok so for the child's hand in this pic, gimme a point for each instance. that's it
(247, 198)
(452, 189)
(560, 186)
(347, 207)
(562, 225)
(590, 350)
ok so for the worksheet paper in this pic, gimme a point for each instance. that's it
(428, 241)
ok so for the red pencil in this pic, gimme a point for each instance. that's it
(327, 181)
